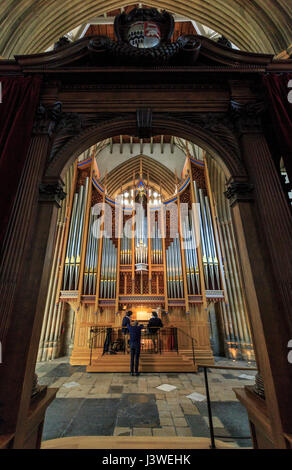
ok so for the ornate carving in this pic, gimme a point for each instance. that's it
(219, 125)
(42, 124)
(154, 31)
(185, 50)
(63, 41)
(70, 122)
(144, 38)
(164, 20)
(247, 117)
(51, 192)
(199, 176)
(68, 125)
(140, 86)
(223, 41)
(53, 119)
(239, 191)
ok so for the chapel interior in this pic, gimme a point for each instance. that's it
(146, 158)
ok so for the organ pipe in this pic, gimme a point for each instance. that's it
(108, 270)
(234, 313)
(156, 245)
(73, 255)
(98, 262)
(53, 315)
(87, 254)
(174, 270)
(209, 249)
(179, 264)
(212, 241)
(206, 228)
(91, 255)
(190, 244)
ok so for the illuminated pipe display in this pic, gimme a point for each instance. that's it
(183, 252)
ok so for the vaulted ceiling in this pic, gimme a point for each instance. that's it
(31, 26)
(122, 176)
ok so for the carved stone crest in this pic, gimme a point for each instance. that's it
(51, 192)
(219, 125)
(238, 191)
(247, 117)
(144, 38)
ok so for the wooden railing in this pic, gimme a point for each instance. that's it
(113, 341)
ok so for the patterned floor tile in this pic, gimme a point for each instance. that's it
(116, 404)
(138, 410)
(115, 389)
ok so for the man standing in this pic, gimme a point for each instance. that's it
(153, 326)
(135, 345)
(126, 321)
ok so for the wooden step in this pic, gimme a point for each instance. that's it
(133, 442)
(202, 357)
(172, 362)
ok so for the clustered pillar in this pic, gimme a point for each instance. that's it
(262, 219)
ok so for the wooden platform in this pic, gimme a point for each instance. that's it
(134, 442)
(168, 362)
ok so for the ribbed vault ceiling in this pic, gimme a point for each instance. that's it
(31, 26)
(122, 175)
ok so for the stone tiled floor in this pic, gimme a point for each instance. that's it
(118, 404)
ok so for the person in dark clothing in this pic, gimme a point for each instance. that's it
(107, 343)
(153, 326)
(126, 321)
(135, 345)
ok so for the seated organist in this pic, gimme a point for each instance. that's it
(125, 323)
(153, 327)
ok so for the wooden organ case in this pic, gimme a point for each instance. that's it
(134, 252)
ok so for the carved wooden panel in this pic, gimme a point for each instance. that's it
(81, 177)
(185, 197)
(199, 177)
(96, 197)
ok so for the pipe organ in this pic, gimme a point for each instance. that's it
(73, 253)
(108, 270)
(90, 271)
(192, 269)
(138, 250)
(156, 244)
(209, 252)
(174, 270)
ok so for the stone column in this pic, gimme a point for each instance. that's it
(30, 302)
(264, 236)
(15, 255)
(24, 267)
